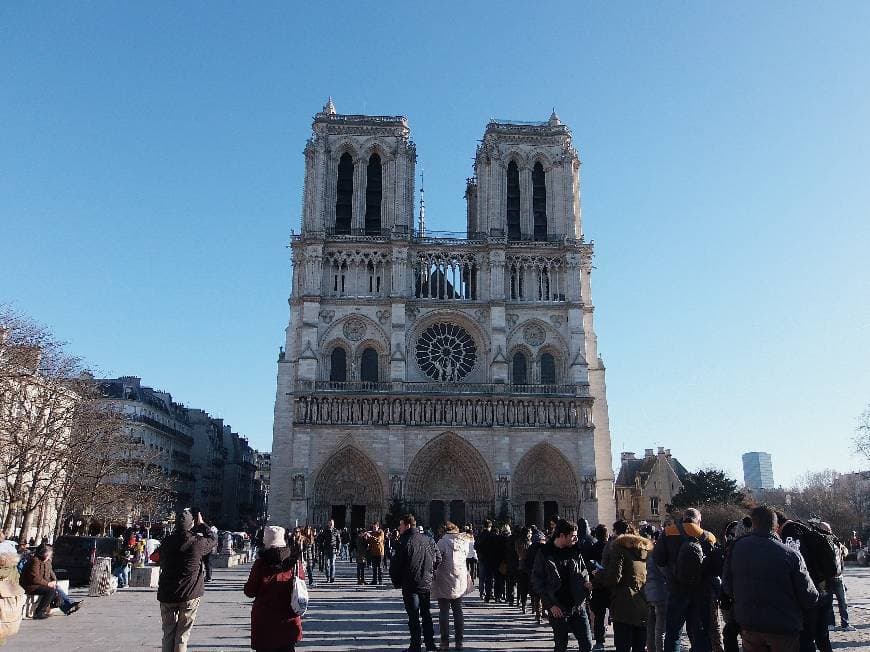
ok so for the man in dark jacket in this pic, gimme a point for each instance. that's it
(181, 577)
(38, 578)
(770, 586)
(488, 556)
(411, 571)
(688, 604)
(561, 579)
(330, 543)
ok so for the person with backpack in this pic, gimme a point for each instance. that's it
(820, 551)
(275, 627)
(770, 586)
(680, 551)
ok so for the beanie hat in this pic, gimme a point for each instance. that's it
(184, 520)
(273, 537)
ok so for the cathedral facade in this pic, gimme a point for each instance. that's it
(456, 373)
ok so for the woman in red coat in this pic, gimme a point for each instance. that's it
(274, 626)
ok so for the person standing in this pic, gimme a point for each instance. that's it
(656, 593)
(689, 583)
(181, 578)
(274, 626)
(770, 586)
(411, 571)
(206, 560)
(488, 555)
(330, 541)
(451, 582)
(625, 576)
(561, 579)
(375, 540)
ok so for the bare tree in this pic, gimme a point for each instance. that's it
(862, 434)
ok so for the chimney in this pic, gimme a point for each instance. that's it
(661, 450)
(648, 452)
(668, 452)
(626, 455)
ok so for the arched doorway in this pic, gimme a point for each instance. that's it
(544, 484)
(449, 479)
(348, 490)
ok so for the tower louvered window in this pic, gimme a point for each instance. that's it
(513, 201)
(344, 195)
(521, 369)
(374, 191)
(539, 201)
(338, 365)
(548, 369)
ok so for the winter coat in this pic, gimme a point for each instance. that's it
(625, 575)
(656, 587)
(362, 548)
(37, 574)
(376, 543)
(489, 549)
(668, 547)
(769, 583)
(181, 569)
(551, 565)
(411, 569)
(273, 623)
(451, 576)
(330, 542)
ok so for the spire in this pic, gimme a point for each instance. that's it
(554, 119)
(329, 107)
(422, 228)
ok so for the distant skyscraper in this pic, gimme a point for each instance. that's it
(757, 470)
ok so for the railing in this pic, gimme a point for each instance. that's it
(357, 232)
(418, 387)
(441, 237)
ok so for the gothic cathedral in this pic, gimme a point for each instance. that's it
(457, 373)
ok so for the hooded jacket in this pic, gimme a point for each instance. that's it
(668, 547)
(273, 624)
(451, 576)
(181, 570)
(625, 574)
(553, 566)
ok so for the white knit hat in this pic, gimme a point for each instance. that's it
(273, 537)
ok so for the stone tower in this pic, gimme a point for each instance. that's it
(456, 374)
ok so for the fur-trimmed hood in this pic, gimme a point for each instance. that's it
(640, 547)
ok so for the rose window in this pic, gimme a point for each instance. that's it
(446, 352)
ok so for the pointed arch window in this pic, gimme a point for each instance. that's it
(344, 195)
(548, 369)
(539, 201)
(513, 201)
(520, 369)
(374, 192)
(369, 366)
(338, 365)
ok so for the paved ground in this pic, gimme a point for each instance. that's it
(341, 616)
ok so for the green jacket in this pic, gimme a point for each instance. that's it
(625, 574)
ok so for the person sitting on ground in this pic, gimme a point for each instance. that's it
(274, 626)
(39, 579)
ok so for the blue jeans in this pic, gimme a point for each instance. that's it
(577, 623)
(417, 608)
(46, 597)
(329, 567)
(691, 608)
(309, 569)
(123, 575)
(840, 592)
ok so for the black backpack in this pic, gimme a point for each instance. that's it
(690, 560)
(820, 549)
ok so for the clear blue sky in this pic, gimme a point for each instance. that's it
(151, 170)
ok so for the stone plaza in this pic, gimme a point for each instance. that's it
(341, 617)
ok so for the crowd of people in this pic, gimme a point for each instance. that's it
(766, 581)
